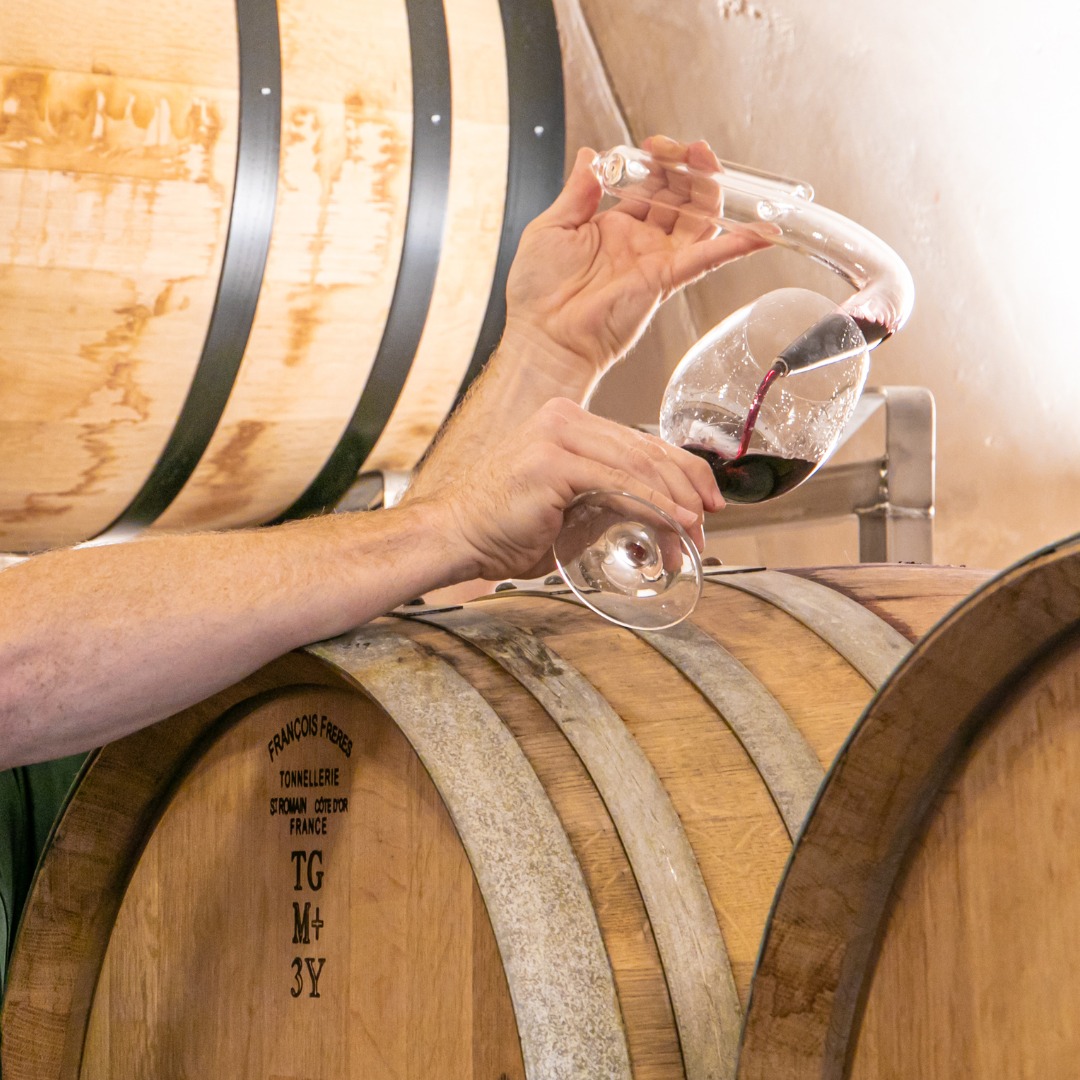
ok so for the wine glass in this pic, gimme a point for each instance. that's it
(763, 398)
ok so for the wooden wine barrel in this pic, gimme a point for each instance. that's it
(246, 247)
(502, 840)
(927, 925)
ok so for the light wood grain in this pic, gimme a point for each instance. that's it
(731, 821)
(905, 601)
(639, 978)
(117, 153)
(885, 789)
(698, 972)
(342, 201)
(115, 185)
(425, 995)
(977, 972)
(201, 969)
(479, 156)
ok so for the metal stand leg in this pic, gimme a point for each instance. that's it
(900, 526)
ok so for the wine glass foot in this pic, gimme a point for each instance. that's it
(628, 561)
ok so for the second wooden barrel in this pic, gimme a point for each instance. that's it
(927, 924)
(503, 840)
(246, 247)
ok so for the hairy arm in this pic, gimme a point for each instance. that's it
(96, 642)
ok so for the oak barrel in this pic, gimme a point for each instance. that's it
(247, 247)
(928, 924)
(502, 840)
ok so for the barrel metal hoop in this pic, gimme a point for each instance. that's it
(557, 969)
(536, 148)
(786, 762)
(688, 937)
(865, 640)
(247, 245)
(425, 222)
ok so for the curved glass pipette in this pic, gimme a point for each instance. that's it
(783, 212)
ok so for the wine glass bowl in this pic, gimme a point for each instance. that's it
(763, 434)
(763, 398)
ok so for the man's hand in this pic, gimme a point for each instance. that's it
(582, 288)
(585, 284)
(505, 511)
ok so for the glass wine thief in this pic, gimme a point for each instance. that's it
(783, 212)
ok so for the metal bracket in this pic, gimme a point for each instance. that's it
(376, 490)
(892, 495)
(552, 585)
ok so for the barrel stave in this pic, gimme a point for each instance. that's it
(636, 967)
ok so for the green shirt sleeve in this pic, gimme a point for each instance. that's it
(31, 798)
(12, 858)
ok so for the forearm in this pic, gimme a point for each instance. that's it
(97, 642)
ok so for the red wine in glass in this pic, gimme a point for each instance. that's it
(752, 478)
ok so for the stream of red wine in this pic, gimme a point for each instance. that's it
(755, 407)
(751, 478)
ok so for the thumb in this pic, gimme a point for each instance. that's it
(580, 196)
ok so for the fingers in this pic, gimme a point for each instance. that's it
(688, 185)
(580, 196)
(672, 195)
(649, 188)
(699, 155)
(706, 192)
(684, 190)
(692, 261)
(582, 473)
(685, 477)
(616, 456)
(509, 507)
(662, 191)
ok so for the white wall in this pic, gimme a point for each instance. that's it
(949, 128)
